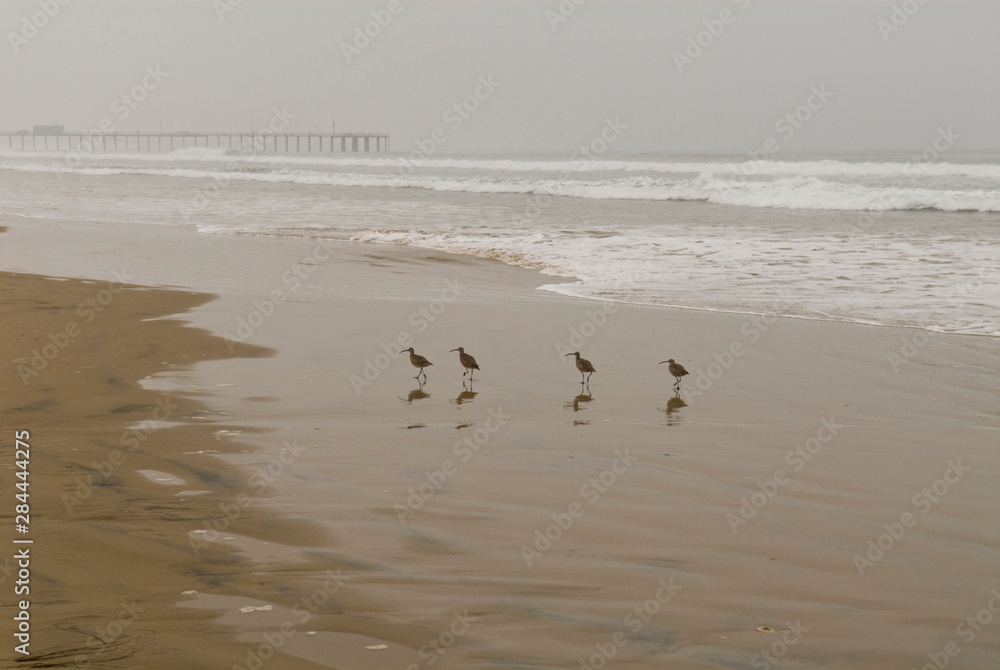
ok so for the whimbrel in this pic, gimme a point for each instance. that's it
(467, 361)
(418, 361)
(583, 365)
(676, 369)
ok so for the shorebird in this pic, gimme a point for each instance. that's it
(583, 365)
(419, 362)
(467, 361)
(676, 369)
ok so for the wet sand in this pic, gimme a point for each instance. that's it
(521, 521)
(108, 560)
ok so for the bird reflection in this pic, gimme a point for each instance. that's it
(418, 394)
(584, 396)
(673, 408)
(467, 394)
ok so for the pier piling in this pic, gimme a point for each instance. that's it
(84, 142)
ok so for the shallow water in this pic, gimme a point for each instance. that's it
(879, 241)
(533, 563)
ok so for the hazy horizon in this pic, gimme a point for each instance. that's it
(729, 77)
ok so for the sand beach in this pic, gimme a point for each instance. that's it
(232, 466)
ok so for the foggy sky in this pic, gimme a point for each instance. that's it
(854, 75)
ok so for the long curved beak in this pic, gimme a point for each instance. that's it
(569, 354)
(662, 362)
(452, 350)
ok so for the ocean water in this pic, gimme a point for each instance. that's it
(885, 240)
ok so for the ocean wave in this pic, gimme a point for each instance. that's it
(404, 166)
(796, 192)
(672, 270)
(187, 154)
(937, 275)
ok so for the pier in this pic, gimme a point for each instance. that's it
(266, 142)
